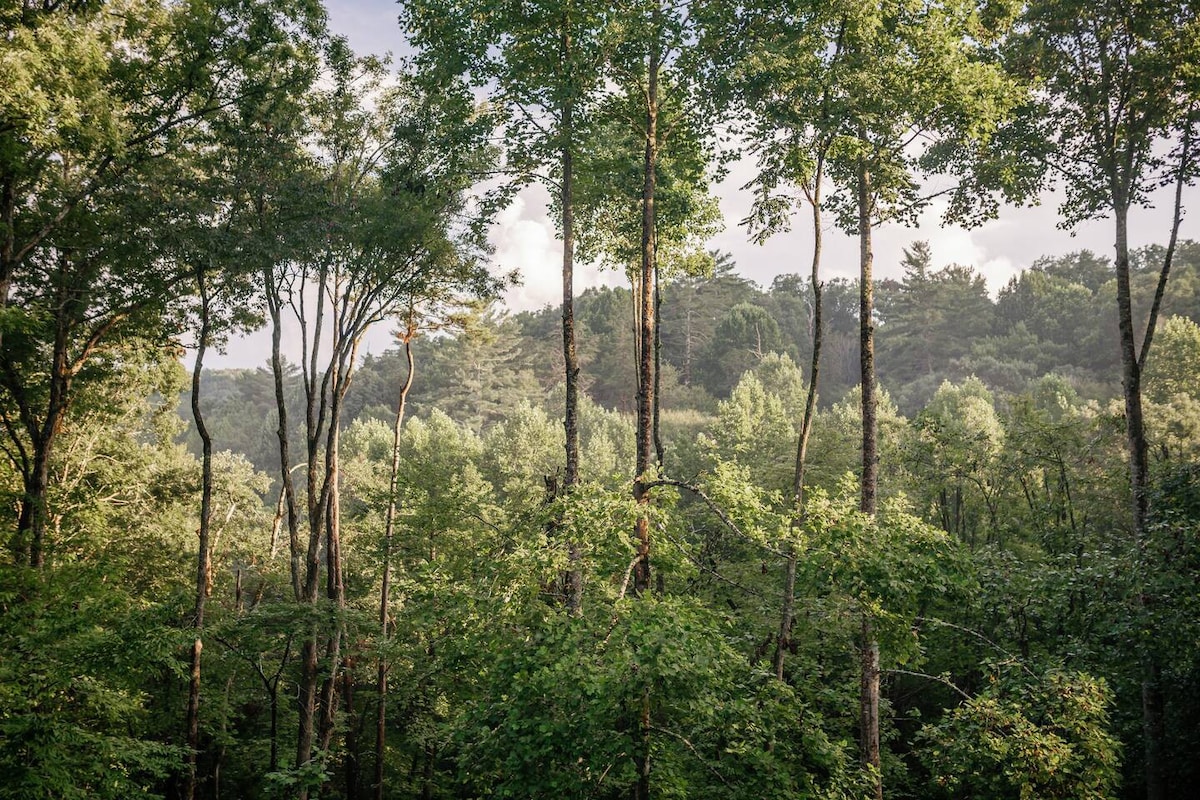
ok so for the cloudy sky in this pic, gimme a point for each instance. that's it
(525, 239)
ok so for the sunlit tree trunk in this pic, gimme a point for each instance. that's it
(869, 663)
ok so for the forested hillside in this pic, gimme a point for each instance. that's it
(690, 538)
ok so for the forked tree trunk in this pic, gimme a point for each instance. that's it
(30, 537)
(1135, 436)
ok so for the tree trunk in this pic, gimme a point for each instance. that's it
(31, 519)
(203, 565)
(647, 383)
(646, 378)
(660, 458)
(783, 641)
(384, 592)
(350, 765)
(1139, 471)
(869, 684)
(342, 368)
(866, 329)
(869, 707)
(574, 575)
(287, 486)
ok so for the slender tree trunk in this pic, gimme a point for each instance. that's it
(660, 458)
(203, 564)
(783, 641)
(869, 706)
(574, 576)
(570, 356)
(866, 330)
(1185, 158)
(646, 377)
(869, 684)
(335, 589)
(384, 591)
(306, 695)
(8, 239)
(287, 486)
(1139, 470)
(31, 519)
(647, 383)
(1153, 703)
(350, 766)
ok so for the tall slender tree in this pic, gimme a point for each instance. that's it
(388, 223)
(1117, 115)
(542, 60)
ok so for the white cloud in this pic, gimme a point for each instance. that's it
(526, 239)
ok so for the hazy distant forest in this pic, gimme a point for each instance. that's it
(691, 538)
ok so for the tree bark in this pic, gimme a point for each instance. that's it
(646, 378)
(287, 486)
(30, 536)
(866, 330)
(869, 684)
(385, 589)
(1139, 471)
(783, 641)
(647, 383)
(574, 574)
(869, 707)
(203, 563)
(660, 457)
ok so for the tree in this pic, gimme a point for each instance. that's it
(84, 260)
(543, 61)
(1118, 116)
(1176, 361)
(931, 323)
(745, 334)
(387, 185)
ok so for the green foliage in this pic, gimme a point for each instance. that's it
(1027, 736)
(744, 335)
(1174, 362)
(81, 659)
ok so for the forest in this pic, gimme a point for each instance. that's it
(691, 537)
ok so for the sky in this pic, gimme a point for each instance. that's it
(525, 238)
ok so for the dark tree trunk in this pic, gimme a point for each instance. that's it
(287, 488)
(783, 641)
(660, 458)
(574, 575)
(866, 331)
(646, 377)
(647, 383)
(31, 519)
(1139, 470)
(869, 685)
(350, 765)
(869, 707)
(203, 564)
(385, 589)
